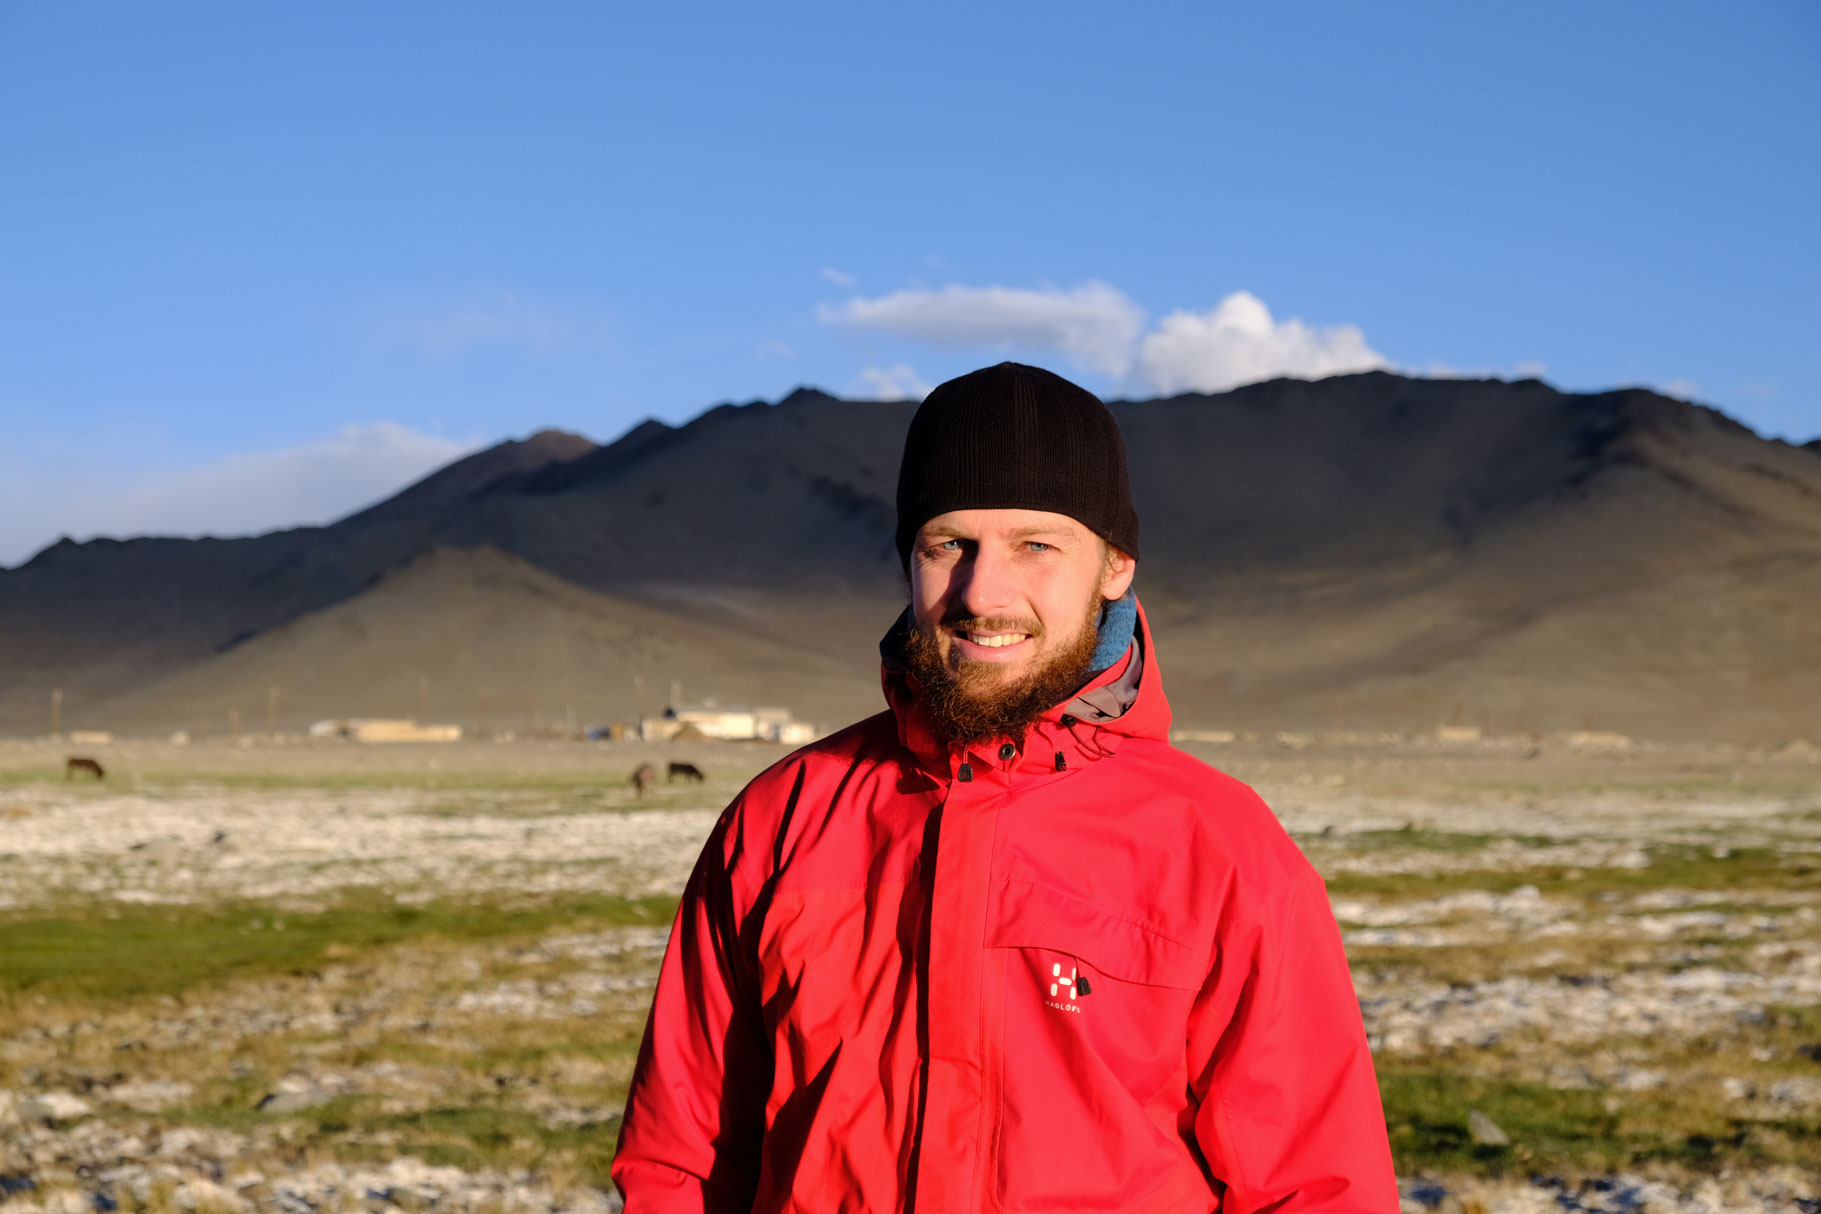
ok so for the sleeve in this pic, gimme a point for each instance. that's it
(1288, 1114)
(695, 1115)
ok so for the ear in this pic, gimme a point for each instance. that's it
(1116, 575)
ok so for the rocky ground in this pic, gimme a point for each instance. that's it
(309, 979)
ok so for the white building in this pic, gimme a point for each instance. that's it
(729, 725)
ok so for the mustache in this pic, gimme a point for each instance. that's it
(960, 622)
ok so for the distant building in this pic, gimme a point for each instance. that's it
(370, 729)
(1595, 739)
(728, 725)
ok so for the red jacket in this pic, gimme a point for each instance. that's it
(1090, 973)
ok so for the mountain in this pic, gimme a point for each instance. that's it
(1366, 548)
(477, 635)
(477, 473)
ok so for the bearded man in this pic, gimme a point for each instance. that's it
(1001, 947)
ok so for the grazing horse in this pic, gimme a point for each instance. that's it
(644, 777)
(76, 763)
(685, 771)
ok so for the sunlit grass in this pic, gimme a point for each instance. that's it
(412, 1004)
(1427, 1111)
(119, 951)
(1671, 866)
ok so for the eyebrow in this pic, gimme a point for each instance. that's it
(1022, 533)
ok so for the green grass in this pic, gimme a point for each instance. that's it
(1576, 1132)
(1671, 867)
(609, 799)
(477, 1128)
(1423, 839)
(1653, 783)
(474, 1121)
(129, 951)
(485, 1135)
(615, 773)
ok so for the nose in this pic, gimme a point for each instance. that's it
(989, 584)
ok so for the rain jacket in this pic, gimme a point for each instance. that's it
(1086, 972)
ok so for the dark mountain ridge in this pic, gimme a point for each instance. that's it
(1511, 499)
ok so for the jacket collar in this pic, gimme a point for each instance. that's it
(1125, 700)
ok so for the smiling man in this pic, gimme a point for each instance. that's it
(1002, 947)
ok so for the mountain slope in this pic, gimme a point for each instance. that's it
(1367, 540)
(479, 637)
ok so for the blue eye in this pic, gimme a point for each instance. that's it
(1039, 546)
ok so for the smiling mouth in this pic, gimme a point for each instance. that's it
(997, 640)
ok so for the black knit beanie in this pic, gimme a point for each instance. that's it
(1013, 437)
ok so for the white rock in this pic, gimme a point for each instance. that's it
(294, 1100)
(149, 1095)
(53, 1106)
(1485, 1131)
(200, 1193)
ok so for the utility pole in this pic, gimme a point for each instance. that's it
(56, 711)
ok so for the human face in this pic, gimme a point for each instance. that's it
(1002, 592)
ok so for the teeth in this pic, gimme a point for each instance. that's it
(997, 642)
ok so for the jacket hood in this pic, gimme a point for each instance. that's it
(1125, 700)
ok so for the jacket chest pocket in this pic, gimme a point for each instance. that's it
(1094, 1018)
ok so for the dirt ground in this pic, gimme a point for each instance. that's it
(300, 975)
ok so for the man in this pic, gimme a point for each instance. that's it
(1002, 947)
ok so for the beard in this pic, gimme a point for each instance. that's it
(970, 701)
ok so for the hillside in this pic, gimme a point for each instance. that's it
(1366, 548)
(478, 636)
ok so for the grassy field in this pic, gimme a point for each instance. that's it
(358, 981)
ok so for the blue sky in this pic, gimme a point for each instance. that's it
(264, 263)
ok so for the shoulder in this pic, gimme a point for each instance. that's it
(811, 781)
(1230, 817)
(871, 741)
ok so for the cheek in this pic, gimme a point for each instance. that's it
(928, 594)
(1062, 602)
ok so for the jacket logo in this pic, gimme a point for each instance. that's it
(1064, 988)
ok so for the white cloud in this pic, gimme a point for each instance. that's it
(1681, 389)
(896, 382)
(1238, 342)
(1098, 327)
(841, 278)
(1094, 324)
(773, 349)
(239, 495)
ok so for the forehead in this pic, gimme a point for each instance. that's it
(1004, 525)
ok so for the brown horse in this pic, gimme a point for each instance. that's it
(76, 763)
(644, 778)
